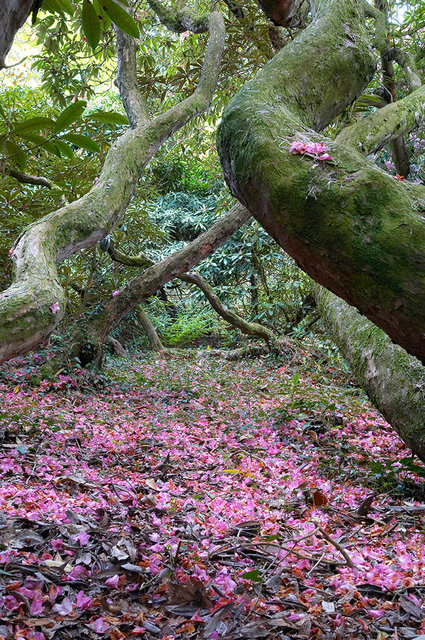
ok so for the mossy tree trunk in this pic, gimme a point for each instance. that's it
(393, 380)
(351, 226)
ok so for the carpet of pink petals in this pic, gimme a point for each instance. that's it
(194, 497)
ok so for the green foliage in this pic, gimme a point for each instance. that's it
(188, 327)
(27, 131)
(90, 23)
(398, 477)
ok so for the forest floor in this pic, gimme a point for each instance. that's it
(186, 497)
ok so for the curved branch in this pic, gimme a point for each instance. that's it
(407, 63)
(35, 303)
(179, 20)
(380, 25)
(386, 124)
(248, 328)
(126, 81)
(203, 94)
(25, 178)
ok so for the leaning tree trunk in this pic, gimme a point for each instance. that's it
(351, 226)
(393, 380)
(87, 343)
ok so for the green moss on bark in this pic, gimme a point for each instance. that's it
(353, 228)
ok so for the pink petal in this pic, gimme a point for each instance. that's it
(100, 626)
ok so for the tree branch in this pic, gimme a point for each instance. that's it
(384, 125)
(248, 328)
(126, 81)
(407, 63)
(35, 303)
(201, 98)
(179, 20)
(146, 284)
(380, 25)
(25, 178)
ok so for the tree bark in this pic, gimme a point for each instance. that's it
(13, 14)
(35, 303)
(352, 227)
(393, 380)
(149, 329)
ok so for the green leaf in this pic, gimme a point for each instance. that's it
(39, 141)
(84, 142)
(64, 149)
(101, 13)
(70, 114)
(32, 124)
(15, 154)
(108, 117)
(91, 24)
(253, 575)
(120, 18)
(58, 6)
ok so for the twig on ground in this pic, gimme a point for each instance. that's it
(337, 546)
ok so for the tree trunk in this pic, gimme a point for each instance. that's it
(13, 14)
(149, 329)
(393, 380)
(351, 226)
